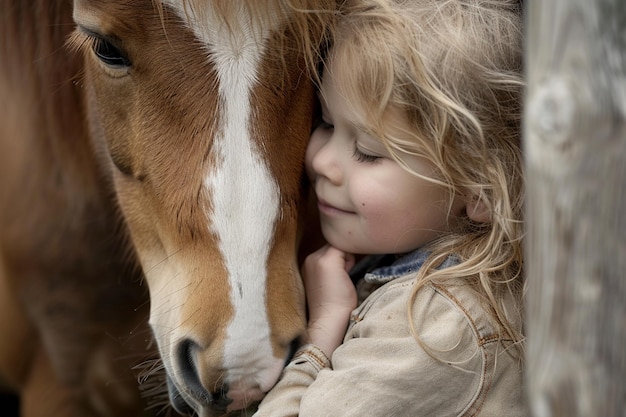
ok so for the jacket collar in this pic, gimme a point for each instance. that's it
(379, 269)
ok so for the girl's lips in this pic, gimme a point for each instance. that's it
(326, 208)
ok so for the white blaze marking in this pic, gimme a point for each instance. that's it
(244, 195)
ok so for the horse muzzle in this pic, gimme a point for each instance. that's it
(229, 390)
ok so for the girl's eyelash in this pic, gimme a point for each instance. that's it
(363, 157)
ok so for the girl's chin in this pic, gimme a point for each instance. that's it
(339, 242)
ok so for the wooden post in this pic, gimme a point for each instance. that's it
(575, 144)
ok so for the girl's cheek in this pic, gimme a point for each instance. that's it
(375, 215)
(372, 198)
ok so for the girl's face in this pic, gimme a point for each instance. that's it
(368, 203)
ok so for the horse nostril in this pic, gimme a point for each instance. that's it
(189, 375)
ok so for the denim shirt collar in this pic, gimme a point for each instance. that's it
(404, 265)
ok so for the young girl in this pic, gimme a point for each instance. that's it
(417, 163)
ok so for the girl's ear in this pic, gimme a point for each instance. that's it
(477, 210)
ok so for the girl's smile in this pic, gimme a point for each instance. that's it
(330, 210)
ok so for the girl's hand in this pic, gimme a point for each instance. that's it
(331, 296)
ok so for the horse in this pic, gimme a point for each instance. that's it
(151, 199)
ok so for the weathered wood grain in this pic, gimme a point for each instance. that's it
(575, 143)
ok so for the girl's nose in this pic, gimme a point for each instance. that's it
(325, 162)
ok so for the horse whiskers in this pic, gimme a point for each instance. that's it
(152, 384)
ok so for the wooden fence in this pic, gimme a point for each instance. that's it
(575, 144)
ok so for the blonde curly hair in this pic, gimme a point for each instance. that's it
(454, 70)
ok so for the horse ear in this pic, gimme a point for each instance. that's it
(477, 210)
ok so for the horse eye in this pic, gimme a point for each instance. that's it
(109, 54)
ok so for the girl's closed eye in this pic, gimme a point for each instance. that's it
(365, 157)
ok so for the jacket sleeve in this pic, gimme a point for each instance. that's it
(284, 399)
(381, 370)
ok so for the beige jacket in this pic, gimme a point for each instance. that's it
(380, 369)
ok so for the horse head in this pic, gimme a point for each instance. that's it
(202, 111)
